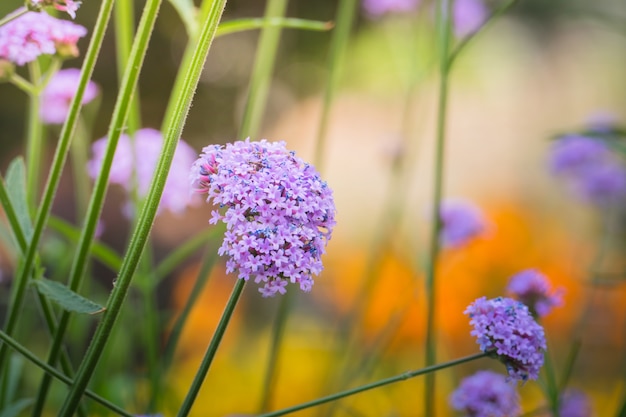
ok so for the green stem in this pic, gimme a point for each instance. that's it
(211, 349)
(124, 31)
(80, 155)
(172, 132)
(261, 73)
(284, 308)
(24, 85)
(346, 11)
(12, 16)
(54, 176)
(402, 377)
(240, 25)
(9, 341)
(177, 329)
(34, 145)
(444, 11)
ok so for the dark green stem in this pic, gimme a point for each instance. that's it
(377, 384)
(212, 349)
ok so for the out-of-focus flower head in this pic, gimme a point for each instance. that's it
(574, 403)
(136, 160)
(468, 16)
(279, 213)
(461, 221)
(590, 168)
(486, 394)
(59, 93)
(532, 288)
(23, 39)
(68, 6)
(377, 8)
(506, 328)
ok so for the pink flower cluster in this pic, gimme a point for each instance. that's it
(60, 91)
(23, 39)
(278, 212)
(68, 6)
(136, 159)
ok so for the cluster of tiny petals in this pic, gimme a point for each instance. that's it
(461, 222)
(23, 39)
(278, 212)
(574, 403)
(135, 161)
(486, 394)
(532, 288)
(59, 92)
(590, 167)
(68, 6)
(505, 328)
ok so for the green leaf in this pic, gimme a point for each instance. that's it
(16, 366)
(187, 12)
(239, 25)
(16, 408)
(66, 298)
(16, 188)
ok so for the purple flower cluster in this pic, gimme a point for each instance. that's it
(532, 288)
(68, 6)
(377, 8)
(22, 40)
(135, 161)
(278, 212)
(590, 168)
(59, 93)
(468, 16)
(461, 222)
(486, 394)
(574, 403)
(506, 328)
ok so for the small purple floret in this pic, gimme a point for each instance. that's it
(278, 212)
(532, 288)
(575, 403)
(506, 328)
(37, 33)
(468, 16)
(461, 222)
(486, 394)
(58, 94)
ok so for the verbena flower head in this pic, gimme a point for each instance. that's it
(590, 168)
(468, 16)
(461, 222)
(574, 403)
(136, 160)
(486, 394)
(278, 212)
(505, 328)
(377, 8)
(68, 6)
(22, 40)
(532, 288)
(60, 91)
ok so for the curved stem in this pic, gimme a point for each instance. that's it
(376, 384)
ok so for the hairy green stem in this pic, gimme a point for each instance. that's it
(240, 25)
(124, 30)
(402, 377)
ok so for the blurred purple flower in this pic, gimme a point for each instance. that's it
(377, 8)
(68, 6)
(468, 16)
(486, 394)
(461, 222)
(140, 156)
(574, 403)
(279, 214)
(590, 168)
(22, 40)
(59, 93)
(533, 289)
(506, 328)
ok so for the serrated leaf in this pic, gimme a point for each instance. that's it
(66, 298)
(14, 410)
(16, 188)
